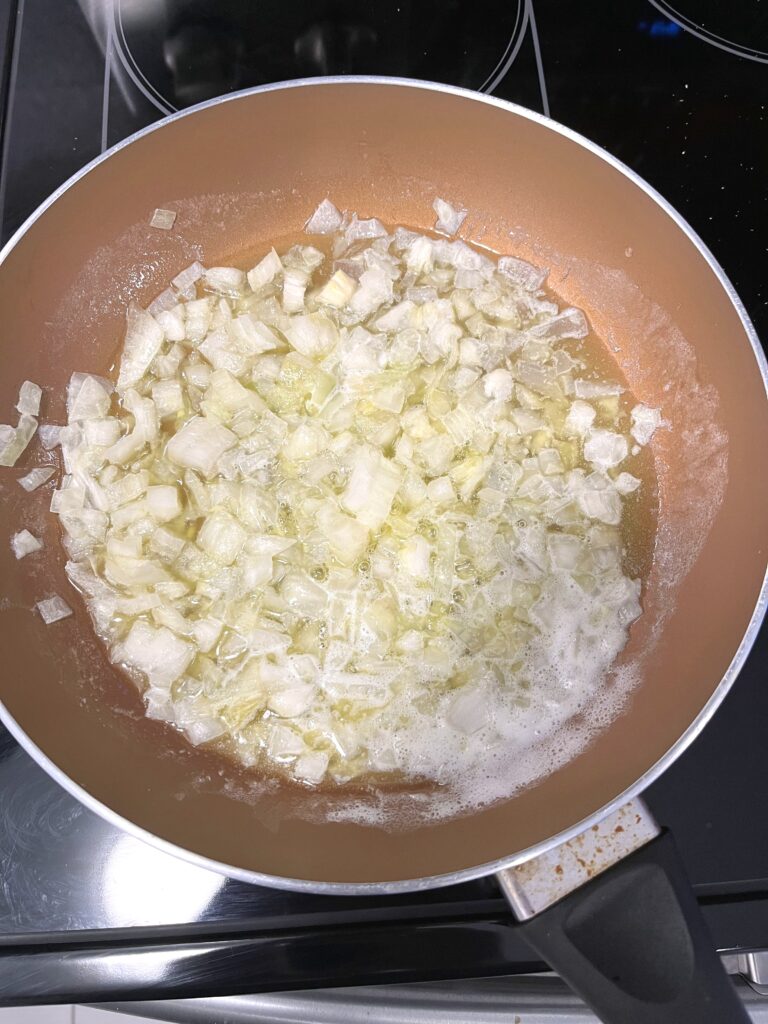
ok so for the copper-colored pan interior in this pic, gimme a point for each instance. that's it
(243, 172)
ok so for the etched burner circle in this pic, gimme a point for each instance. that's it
(185, 51)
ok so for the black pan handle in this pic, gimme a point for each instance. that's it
(633, 944)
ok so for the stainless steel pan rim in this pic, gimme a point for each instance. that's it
(684, 741)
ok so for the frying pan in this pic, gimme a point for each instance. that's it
(249, 168)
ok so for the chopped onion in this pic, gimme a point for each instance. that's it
(224, 280)
(36, 477)
(353, 518)
(338, 291)
(373, 484)
(163, 302)
(189, 276)
(29, 398)
(604, 449)
(49, 434)
(163, 219)
(199, 444)
(571, 323)
(312, 335)
(525, 274)
(25, 543)
(14, 440)
(498, 384)
(142, 343)
(325, 220)
(265, 271)
(645, 423)
(449, 219)
(52, 609)
(156, 653)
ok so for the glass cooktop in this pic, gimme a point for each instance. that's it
(678, 91)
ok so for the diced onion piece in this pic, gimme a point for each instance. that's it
(325, 220)
(604, 449)
(87, 398)
(224, 280)
(645, 423)
(52, 609)
(347, 537)
(188, 277)
(525, 274)
(449, 218)
(284, 744)
(199, 444)
(13, 441)
(160, 655)
(203, 730)
(171, 321)
(36, 477)
(311, 767)
(49, 434)
(420, 255)
(603, 505)
(163, 302)
(165, 544)
(265, 271)
(168, 398)
(198, 320)
(163, 219)
(163, 502)
(142, 343)
(358, 229)
(499, 384)
(29, 398)
(625, 483)
(564, 551)
(25, 543)
(571, 323)
(312, 335)
(440, 491)
(338, 290)
(580, 418)
(375, 289)
(372, 486)
(294, 286)
(291, 701)
(222, 537)
(595, 389)
(415, 557)
(254, 336)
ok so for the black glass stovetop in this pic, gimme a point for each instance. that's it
(678, 92)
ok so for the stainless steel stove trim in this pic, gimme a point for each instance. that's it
(684, 741)
(535, 999)
(753, 967)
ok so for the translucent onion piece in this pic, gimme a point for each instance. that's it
(645, 423)
(29, 398)
(325, 220)
(36, 477)
(449, 219)
(163, 219)
(189, 276)
(13, 441)
(25, 543)
(52, 609)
